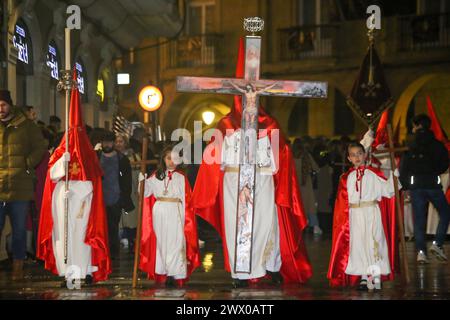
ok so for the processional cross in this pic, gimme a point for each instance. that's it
(250, 88)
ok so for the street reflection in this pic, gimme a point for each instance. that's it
(212, 282)
(208, 262)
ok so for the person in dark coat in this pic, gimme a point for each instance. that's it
(117, 188)
(21, 149)
(420, 168)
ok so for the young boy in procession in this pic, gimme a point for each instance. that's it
(363, 226)
(169, 244)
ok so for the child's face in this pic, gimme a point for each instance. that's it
(120, 143)
(356, 156)
(169, 162)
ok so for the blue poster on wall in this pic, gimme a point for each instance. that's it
(22, 42)
(53, 60)
(80, 76)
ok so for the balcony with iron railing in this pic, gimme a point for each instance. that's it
(307, 42)
(193, 51)
(425, 32)
(318, 47)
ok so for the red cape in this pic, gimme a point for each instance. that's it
(341, 235)
(207, 198)
(439, 134)
(381, 133)
(83, 156)
(147, 255)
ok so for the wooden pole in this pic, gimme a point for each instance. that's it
(398, 207)
(137, 246)
(66, 163)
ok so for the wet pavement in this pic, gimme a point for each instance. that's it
(211, 282)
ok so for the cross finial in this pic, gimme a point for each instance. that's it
(253, 24)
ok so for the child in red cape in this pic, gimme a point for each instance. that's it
(362, 230)
(169, 244)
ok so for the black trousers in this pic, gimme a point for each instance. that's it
(113, 215)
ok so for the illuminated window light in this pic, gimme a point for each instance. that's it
(101, 89)
(123, 78)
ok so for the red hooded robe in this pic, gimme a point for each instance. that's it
(147, 257)
(82, 153)
(439, 134)
(207, 199)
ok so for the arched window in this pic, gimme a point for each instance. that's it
(24, 68)
(101, 93)
(81, 79)
(22, 42)
(53, 60)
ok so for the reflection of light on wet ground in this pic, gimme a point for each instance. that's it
(212, 282)
(258, 294)
(169, 294)
(421, 276)
(207, 262)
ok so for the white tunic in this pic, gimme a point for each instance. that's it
(368, 247)
(168, 223)
(80, 198)
(408, 219)
(266, 254)
(433, 215)
(385, 166)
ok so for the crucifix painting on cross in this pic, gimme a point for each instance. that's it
(245, 234)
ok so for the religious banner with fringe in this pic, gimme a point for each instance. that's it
(370, 95)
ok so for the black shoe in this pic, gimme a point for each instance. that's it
(5, 264)
(276, 277)
(170, 282)
(237, 283)
(362, 286)
(88, 280)
(31, 259)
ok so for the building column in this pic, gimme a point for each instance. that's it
(12, 52)
(321, 115)
(38, 91)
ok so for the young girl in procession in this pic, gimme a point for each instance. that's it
(169, 244)
(364, 242)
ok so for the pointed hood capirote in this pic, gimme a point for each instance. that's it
(83, 166)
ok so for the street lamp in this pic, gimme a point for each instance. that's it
(208, 117)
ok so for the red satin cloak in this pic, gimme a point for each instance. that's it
(96, 233)
(439, 134)
(147, 260)
(207, 201)
(83, 155)
(341, 235)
